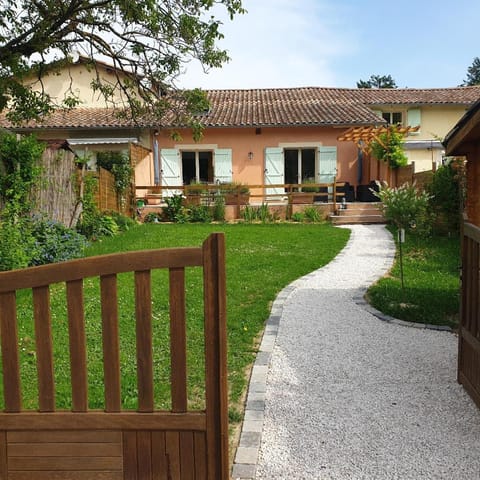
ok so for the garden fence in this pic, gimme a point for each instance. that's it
(114, 443)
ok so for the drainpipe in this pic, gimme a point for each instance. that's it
(156, 163)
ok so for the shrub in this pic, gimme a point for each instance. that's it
(298, 217)
(200, 214)
(97, 225)
(259, 214)
(174, 211)
(16, 244)
(312, 214)
(55, 243)
(152, 217)
(219, 208)
(124, 223)
(446, 194)
(406, 207)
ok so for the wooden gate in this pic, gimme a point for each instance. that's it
(469, 334)
(115, 443)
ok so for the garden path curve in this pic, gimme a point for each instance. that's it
(337, 393)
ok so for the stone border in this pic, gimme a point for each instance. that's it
(246, 457)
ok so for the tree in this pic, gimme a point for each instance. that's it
(377, 81)
(473, 74)
(148, 42)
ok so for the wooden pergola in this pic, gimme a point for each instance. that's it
(365, 135)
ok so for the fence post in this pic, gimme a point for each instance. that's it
(334, 194)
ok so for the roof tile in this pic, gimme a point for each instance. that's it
(305, 106)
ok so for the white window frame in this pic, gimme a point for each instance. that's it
(197, 161)
(390, 114)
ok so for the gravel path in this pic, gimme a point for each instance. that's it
(349, 396)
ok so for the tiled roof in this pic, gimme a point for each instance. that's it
(285, 106)
(76, 118)
(306, 106)
(414, 96)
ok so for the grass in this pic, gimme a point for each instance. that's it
(431, 277)
(261, 260)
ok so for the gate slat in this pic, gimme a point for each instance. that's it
(144, 455)
(130, 455)
(9, 339)
(143, 311)
(178, 347)
(172, 446)
(200, 456)
(43, 340)
(187, 456)
(159, 458)
(3, 455)
(78, 355)
(111, 354)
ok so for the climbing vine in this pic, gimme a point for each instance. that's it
(388, 147)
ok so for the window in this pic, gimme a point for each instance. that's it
(393, 118)
(197, 167)
(299, 164)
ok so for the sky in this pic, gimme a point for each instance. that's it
(335, 43)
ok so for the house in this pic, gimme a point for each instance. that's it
(94, 125)
(256, 137)
(464, 140)
(282, 136)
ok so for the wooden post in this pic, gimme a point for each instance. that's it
(216, 391)
(334, 194)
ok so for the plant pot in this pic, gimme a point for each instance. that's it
(193, 199)
(237, 199)
(304, 198)
(154, 199)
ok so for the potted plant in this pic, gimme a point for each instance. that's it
(193, 193)
(307, 190)
(235, 193)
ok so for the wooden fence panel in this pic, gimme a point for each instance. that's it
(115, 444)
(56, 196)
(469, 330)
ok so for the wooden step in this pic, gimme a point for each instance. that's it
(358, 213)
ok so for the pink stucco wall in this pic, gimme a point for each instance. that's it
(245, 140)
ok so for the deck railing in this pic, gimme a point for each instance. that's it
(289, 193)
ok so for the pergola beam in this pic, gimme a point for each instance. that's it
(364, 136)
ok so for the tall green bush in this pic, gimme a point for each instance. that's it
(446, 190)
(406, 207)
(19, 171)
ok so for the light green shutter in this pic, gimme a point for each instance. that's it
(274, 170)
(223, 165)
(414, 118)
(170, 170)
(327, 168)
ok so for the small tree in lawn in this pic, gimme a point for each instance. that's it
(408, 209)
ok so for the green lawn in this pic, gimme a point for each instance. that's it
(261, 260)
(431, 280)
